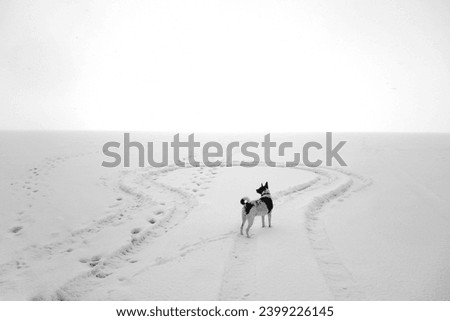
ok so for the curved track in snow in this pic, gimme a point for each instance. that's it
(142, 191)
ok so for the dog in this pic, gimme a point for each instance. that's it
(261, 207)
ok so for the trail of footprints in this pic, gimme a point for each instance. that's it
(198, 181)
(139, 192)
(36, 185)
(173, 213)
(202, 179)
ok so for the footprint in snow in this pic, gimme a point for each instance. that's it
(16, 229)
(136, 230)
(93, 261)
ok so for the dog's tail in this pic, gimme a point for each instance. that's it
(247, 205)
(245, 200)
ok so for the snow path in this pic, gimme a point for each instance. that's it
(239, 279)
(154, 204)
(73, 230)
(240, 276)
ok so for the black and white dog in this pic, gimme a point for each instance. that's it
(261, 207)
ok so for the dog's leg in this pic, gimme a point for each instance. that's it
(250, 223)
(263, 223)
(270, 219)
(244, 217)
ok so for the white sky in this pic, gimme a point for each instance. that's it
(230, 66)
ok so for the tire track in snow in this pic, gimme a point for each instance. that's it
(239, 279)
(183, 202)
(185, 250)
(338, 277)
(122, 212)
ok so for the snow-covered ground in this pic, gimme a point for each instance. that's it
(378, 229)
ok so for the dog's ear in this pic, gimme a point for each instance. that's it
(261, 185)
(267, 185)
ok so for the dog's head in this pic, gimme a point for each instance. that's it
(263, 188)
